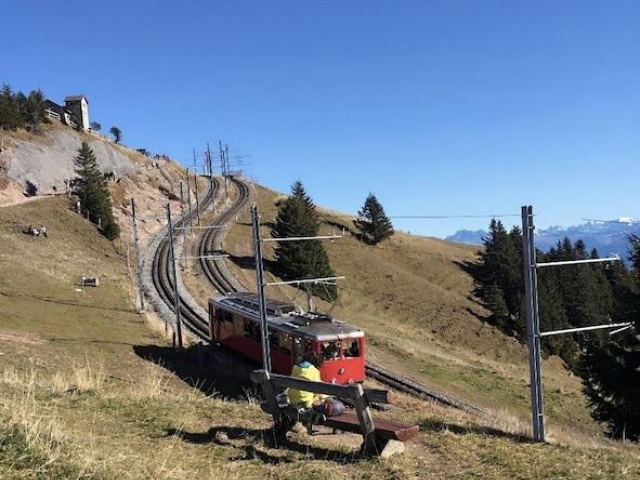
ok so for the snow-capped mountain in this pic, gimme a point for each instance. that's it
(608, 236)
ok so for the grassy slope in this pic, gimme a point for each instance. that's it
(77, 402)
(412, 297)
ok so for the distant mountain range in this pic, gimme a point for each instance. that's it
(609, 236)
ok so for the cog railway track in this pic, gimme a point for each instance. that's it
(220, 279)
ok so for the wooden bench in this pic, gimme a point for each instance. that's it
(380, 437)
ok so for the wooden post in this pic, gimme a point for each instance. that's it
(366, 421)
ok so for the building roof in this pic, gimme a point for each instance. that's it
(72, 98)
(50, 104)
(290, 318)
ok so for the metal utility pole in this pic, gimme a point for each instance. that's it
(226, 158)
(261, 284)
(197, 201)
(176, 295)
(137, 249)
(534, 335)
(209, 161)
(189, 202)
(533, 325)
(223, 164)
(264, 328)
(184, 230)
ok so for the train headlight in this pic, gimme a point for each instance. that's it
(341, 371)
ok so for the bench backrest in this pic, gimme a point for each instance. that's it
(355, 392)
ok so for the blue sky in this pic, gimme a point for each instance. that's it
(440, 108)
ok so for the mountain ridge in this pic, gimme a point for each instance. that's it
(609, 237)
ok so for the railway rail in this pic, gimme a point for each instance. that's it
(214, 269)
(219, 278)
(163, 280)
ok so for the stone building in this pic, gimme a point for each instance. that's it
(74, 113)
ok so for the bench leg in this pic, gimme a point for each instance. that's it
(381, 448)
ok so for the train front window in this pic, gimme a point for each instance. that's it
(350, 348)
(330, 350)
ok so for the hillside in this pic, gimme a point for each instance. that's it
(413, 298)
(78, 401)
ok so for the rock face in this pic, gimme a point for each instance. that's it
(48, 161)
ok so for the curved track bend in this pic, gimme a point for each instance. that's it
(163, 280)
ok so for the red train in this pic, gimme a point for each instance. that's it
(235, 322)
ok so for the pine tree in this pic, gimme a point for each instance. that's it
(35, 111)
(11, 116)
(610, 368)
(91, 189)
(374, 225)
(297, 217)
(117, 134)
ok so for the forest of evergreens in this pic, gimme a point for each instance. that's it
(573, 296)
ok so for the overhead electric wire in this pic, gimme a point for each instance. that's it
(444, 217)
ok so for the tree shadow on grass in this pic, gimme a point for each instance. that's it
(212, 370)
(248, 262)
(245, 439)
(437, 426)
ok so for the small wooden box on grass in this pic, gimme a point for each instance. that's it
(90, 282)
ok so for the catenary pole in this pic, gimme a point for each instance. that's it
(264, 330)
(184, 229)
(197, 200)
(137, 249)
(223, 164)
(174, 269)
(189, 202)
(533, 325)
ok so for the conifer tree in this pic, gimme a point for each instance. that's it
(373, 223)
(11, 116)
(297, 217)
(91, 189)
(117, 134)
(610, 367)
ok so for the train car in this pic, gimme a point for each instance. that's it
(234, 321)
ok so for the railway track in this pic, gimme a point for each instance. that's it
(219, 278)
(214, 269)
(163, 280)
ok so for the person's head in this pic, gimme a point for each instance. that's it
(317, 360)
(307, 357)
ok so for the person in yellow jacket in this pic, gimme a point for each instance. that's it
(306, 370)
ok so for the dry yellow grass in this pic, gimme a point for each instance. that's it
(76, 401)
(414, 299)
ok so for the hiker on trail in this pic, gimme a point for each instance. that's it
(43, 231)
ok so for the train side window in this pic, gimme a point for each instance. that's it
(350, 348)
(284, 342)
(219, 314)
(273, 339)
(228, 317)
(308, 346)
(251, 330)
(330, 350)
(238, 324)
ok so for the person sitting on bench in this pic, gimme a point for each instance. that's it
(307, 369)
